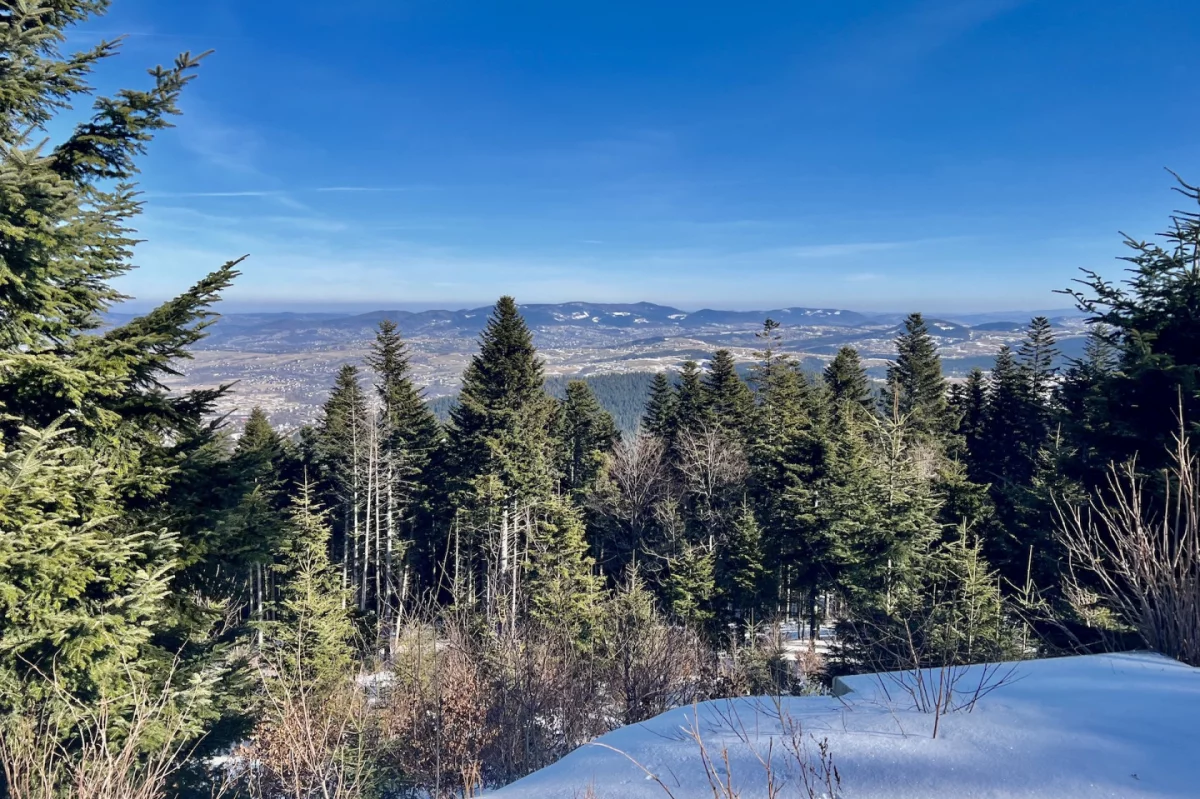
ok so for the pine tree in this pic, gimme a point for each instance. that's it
(86, 566)
(1037, 355)
(258, 522)
(585, 433)
(310, 644)
(971, 411)
(501, 460)
(564, 591)
(847, 380)
(741, 576)
(341, 460)
(691, 400)
(408, 442)
(659, 418)
(726, 396)
(915, 386)
(1152, 319)
(500, 424)
(691, 585)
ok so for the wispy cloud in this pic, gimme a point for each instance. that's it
(881, 53)
(863, 277)
(371, 188)
(211, 193)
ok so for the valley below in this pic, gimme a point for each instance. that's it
(286, 362)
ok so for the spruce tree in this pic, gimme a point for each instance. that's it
(915, 386)
(585, 433)
(691, 400)
(690, 586)
(341, 462)
(1037, 355)
(409, 442)
(726, 396)
(500, 460)
(500, 424)
(659, 417)
(847, 380)
(310, 644)
(971, 411)
(1152, 320)
(565, 593)
(97, 451)
(741, 576)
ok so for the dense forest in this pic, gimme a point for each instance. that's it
(386, 604)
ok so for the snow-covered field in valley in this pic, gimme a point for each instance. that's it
(1123, 725)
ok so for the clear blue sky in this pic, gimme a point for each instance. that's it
(876, 155)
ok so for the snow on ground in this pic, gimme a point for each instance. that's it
(1123, 725)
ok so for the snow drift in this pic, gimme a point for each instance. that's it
(1122, 725)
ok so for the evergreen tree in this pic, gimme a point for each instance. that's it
(341, 461)
(84, 563)
(691, 400)
(499, 426)
(659, 418)
(740, 568)
(915, 386)
(564, 591)
(787, 467)
(691, 585)
(1152, 320)
(971, 410)
(847, 380)
(585, 433)
(310, 645)
(501, 459)
(726, 396)
(408, 441)
(1037, 354)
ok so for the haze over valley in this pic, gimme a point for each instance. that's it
(285, 362)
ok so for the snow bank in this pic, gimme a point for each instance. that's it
(1125, 725)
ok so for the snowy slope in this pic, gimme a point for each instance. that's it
(1125, 725)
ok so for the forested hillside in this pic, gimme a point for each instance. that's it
(388, 604)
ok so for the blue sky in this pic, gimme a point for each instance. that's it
(875, 155)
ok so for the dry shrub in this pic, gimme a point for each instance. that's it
(313, 740)
(1134, 555)
(434, 716)
(122, 746)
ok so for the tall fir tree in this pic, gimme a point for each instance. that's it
(727, 396)
(501, 461)
(691, 400)
(1152, 320)
(585, 433)
(409, 439)
(659, 417)
(915, 387)
(971, 412)
(847, 381)
(96, 450)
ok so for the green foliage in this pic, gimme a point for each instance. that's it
(584, 434)
(499, 427)
(740, 570)
(847, 381)
(915, 386)
(659, 419)
(1151, 321)
(565, 593)
(690, 586)
(727, 397)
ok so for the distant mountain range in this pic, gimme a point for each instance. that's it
(285, 362)
(292, 331)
